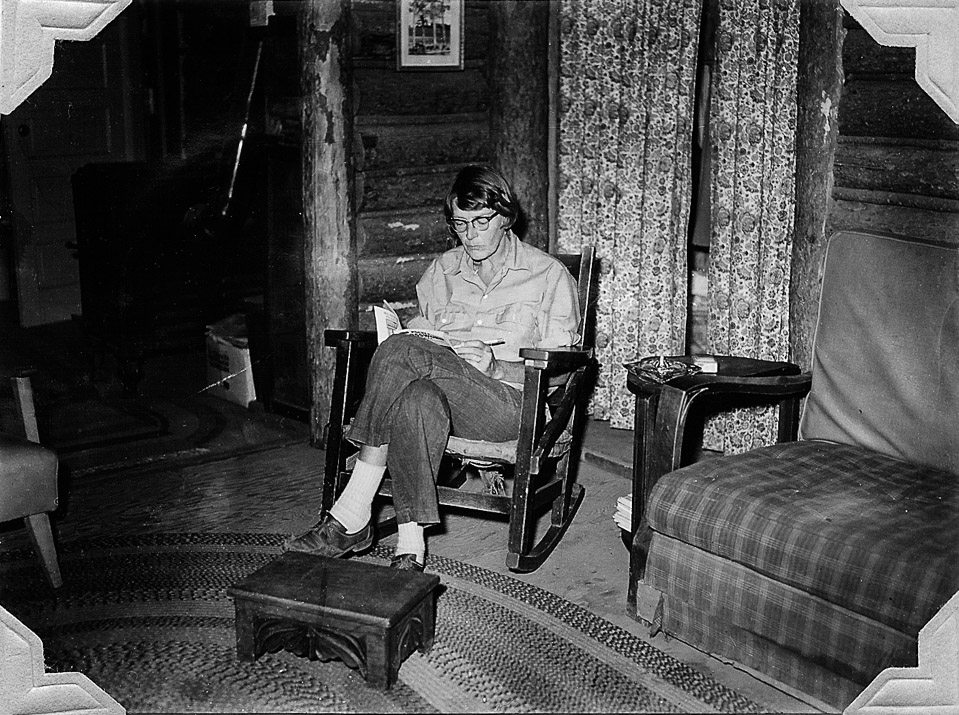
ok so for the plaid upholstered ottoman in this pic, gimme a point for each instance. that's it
(368, 616)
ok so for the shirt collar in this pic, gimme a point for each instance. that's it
(512, 262)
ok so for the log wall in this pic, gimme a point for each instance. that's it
(897, 160)
(413, 131)
(819, 91)
(416, 129)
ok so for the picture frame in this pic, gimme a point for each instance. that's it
(429, 34)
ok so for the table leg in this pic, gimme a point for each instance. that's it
(380, 671)
(427, 613)
(245, 634)
(643, 438)
(788, 420)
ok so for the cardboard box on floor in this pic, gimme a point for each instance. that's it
(229, 369)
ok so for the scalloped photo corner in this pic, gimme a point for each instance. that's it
(26, 687)
(932, 27)
(29, 30)
(932, 686)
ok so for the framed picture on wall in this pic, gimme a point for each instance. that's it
(429, 34)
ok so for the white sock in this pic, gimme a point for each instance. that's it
(353, 508)
(410, 540)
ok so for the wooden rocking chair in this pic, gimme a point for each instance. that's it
(543, 459)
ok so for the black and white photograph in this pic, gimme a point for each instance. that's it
(479, 356)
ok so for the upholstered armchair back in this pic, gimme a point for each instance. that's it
(886, 357)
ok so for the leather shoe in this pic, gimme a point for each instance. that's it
(328, 538)
(406, 562)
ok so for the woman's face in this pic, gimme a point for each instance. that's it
(481, 243)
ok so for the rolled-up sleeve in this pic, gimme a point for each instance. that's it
(559, 325)
(428, 290)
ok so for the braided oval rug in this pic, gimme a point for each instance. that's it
(148, 619)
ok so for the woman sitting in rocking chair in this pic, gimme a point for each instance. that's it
(492, 294)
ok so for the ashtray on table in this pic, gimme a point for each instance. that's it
(659, 368)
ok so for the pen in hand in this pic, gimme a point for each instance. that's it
(491, 343)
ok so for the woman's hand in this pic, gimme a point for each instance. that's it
(479, 355)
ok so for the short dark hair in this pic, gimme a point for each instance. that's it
(481, 187)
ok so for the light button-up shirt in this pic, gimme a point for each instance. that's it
(531, 302)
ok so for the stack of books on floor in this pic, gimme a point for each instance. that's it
(624, 513)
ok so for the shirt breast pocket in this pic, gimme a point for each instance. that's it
(453, 318)
(518, 320)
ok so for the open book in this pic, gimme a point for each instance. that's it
(388, 323)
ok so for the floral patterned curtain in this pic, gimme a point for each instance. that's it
(752, 130)
(627, 76)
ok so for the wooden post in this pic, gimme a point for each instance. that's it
(819, 90)
(329, 209)
(519, 107)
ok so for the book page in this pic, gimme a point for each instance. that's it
(387, 322)
(434, 336)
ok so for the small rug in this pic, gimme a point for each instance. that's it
(148, 619)
(93, 434)
(84, 421)
(94, 424)
(83, 415)
(183, 427)
(194, 430)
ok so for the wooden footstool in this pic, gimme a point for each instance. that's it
(370, 617)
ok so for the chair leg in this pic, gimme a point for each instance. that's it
(385, 527)
(531, 560)
(521, 557)
(41, 535)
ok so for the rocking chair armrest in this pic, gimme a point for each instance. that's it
(363, 338)
(555, 359)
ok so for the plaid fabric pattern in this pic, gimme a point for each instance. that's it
(858, 529)
(725, 608)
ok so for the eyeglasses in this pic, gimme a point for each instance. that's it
(480, 223)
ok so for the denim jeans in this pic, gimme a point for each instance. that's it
(417, 395)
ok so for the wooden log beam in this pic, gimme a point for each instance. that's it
(519, 106)
(329, 213)
(898, 218)
(897, 198)
(925, 169)
(392, 278)
(819, 90)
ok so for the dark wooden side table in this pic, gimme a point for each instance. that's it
(662, 409)
(370, 617)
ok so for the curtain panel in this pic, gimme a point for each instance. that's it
(627, 80)
(753, 139)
